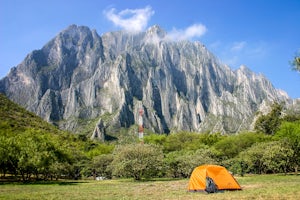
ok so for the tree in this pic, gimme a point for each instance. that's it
(277, 157)
(180, 164)
(290, 133)
(8, 155)
(35, 153)
(39, 154)
(100, 149)
(265, 157)
(155, 139)
(137, 161)
(179, 141)
(189, 141)
(100, 166)
(232, 145)
(270, 122)
(296, 62)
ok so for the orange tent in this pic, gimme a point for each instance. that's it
(212, 178)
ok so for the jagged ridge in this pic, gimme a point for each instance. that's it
(80, 79)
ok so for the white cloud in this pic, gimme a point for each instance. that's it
(193, 31)
(134, 20)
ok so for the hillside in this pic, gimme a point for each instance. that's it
(29, 145)
(16, 118)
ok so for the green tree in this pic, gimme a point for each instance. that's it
(8, 154)
(277, 157)
(38, 152)
(265, 157)
(35, 153)
(158, 139)
(189, 141)
(270, 122)
(179, 141)
(230, 146)
(137, 161)
(210, 138)
(296, 62)
(180, 164)
(290, 133)
(99, 166)
(99, 149)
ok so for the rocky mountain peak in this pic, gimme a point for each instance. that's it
(156, 30)
(73, 30)
(79, 79)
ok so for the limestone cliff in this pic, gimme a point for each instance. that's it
(80, 78)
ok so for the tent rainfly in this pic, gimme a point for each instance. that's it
(212, 178)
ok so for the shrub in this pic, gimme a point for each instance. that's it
(137, 161)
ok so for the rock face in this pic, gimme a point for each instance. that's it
(80, 77)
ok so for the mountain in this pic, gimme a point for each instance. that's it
(84, 82)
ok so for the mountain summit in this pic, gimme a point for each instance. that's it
(80, 80)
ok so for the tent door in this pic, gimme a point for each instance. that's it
(211, 187)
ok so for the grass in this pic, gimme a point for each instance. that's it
(254, 187)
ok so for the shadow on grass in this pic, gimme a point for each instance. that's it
(58, 182)
(162, 179)
(149, 180)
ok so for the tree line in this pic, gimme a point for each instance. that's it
(34, 154)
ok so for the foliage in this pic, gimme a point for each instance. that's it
(155, 139)
(33, 152)
(270, 123)
(289, 132)
(15, 118)
(189, 141)
(33, 149)
(137, 161)
(99, 167)
(179, 141)
(210, 138)
(296, 62)
(180, 164)
(99, 149)
(231, 145)
(267, 157)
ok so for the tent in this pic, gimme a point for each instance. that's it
(212, 178)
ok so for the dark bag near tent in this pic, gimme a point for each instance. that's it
(211, 187)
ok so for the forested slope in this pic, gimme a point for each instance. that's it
(30, 146)
(32, 149)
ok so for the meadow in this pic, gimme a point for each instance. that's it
(253, 187)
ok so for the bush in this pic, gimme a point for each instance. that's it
(267, 157)
(231, 146)
(180, 164)
(137, 161)
(100, 166)
(289, 132)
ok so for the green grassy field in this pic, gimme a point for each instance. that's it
(254, 187)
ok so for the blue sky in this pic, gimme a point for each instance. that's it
(264, 35)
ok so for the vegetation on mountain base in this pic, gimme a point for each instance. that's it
(31, 149)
